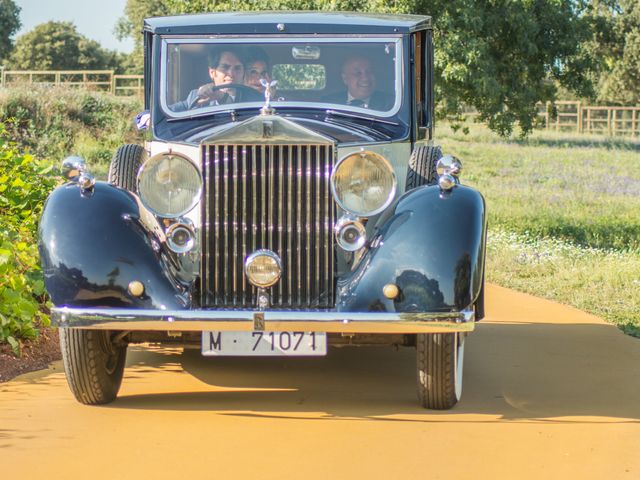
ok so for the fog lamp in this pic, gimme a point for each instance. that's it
(449, 164)
(263, 268)
(73, 167)
(180, 238)
(350, 233)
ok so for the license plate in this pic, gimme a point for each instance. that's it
(223, 343)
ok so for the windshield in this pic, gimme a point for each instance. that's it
(200, 75)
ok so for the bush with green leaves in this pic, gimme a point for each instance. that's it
(54, 122)
(50, 123)
(25, 183)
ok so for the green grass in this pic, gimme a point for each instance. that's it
(564, 216)
(603, 282)
(585, 191)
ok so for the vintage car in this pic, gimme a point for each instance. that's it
(289, 198)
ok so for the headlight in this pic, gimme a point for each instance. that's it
(363, 183)
(263, 268)
(169, 184)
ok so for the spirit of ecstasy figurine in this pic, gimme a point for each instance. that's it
(267, 93)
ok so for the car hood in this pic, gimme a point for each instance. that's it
(331, 126)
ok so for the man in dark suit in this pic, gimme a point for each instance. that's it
(360, 80)
(226, 66)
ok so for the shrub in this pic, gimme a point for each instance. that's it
(50, 123)
(54, 122)
(25, 183)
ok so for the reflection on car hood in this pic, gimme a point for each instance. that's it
(342, 130)
(265, 129)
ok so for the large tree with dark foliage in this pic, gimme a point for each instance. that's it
(618, 44)
(9, 24)
(130, 25)
(59, 46)
(500, 57)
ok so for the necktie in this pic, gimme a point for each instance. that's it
(357, 103)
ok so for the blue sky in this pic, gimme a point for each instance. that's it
(95, 19)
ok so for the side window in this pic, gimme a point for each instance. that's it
(429, 105)
(423, 61)
(420, 74)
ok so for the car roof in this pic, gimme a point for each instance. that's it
(282, 22)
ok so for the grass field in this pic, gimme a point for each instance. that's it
(564, 216)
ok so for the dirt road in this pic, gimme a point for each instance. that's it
(549, 392)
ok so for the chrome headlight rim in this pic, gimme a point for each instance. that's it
(392, 192)
(196, 197)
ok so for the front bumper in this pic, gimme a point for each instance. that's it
(270, 320)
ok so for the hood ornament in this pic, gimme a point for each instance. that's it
(267, 109)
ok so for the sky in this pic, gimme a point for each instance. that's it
(94, 19)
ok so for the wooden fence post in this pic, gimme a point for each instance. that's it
(546, 114)
(580, 128)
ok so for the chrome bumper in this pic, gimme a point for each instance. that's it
(270, 320)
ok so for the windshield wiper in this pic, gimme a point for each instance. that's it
(362, 116)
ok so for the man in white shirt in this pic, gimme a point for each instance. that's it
(360, 79)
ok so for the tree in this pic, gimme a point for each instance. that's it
(9, 24)
(59, 46)
(620, 49)
(130, 25)
(500, 56)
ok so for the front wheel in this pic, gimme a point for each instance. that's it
(93, 364)
(124, 167)
(440, 359)
(422, 166)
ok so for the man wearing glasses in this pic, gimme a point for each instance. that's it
(226, 67)
(359, 78)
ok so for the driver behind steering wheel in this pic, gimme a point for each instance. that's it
(226, 67)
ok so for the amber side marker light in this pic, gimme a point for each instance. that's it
(136, 288)
(390, 291)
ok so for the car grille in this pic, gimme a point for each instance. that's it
(268, 196)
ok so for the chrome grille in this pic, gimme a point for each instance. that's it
(267, 196)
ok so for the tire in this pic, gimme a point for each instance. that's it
(422, 166)
(93, 365)
(124, 167)
(440, 359)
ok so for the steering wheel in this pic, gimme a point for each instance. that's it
(251, 91)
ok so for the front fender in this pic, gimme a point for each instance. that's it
(94, 243)
(431, 245)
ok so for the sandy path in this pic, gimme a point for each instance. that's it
(549, 392)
